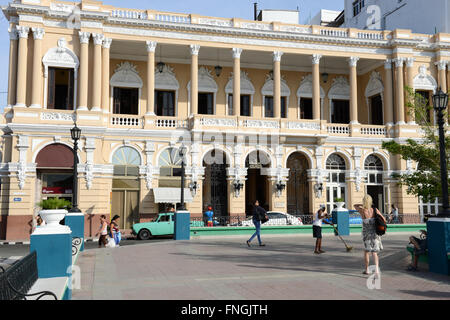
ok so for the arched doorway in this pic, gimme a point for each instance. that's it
(126, 186)
(297, 186)
(215, 187)
(54, 165)
(256, 186)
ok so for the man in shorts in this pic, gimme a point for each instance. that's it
(317, 228)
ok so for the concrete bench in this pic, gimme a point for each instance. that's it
(57, 286)
(422, 257)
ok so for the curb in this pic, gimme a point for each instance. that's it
(15, 243)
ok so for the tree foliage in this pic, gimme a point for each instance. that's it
(424, 182)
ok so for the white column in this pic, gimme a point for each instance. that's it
(277, 84)
(36, 91)
(97, 76)
(84, 70)
(236, 81)
(195, 48)
(388, 105)
(352, 62)
(22, 66)
(105, 74)
(316, 85)
(151, 48)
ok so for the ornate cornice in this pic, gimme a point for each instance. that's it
(195, 49)
(38, 33)
(23, 31)
(84, 37)
(316, 58)
(237, 53)
(151, 46)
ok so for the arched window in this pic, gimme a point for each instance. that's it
(126, 162)
(339, 97)
(247, 92)
(335, 162)
(207, 90)
(375, 168)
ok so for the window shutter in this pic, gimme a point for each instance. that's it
(116, 101)
(70, 91)
(51, 89)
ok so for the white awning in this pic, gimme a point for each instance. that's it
(171, 195)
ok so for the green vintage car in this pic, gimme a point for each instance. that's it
(162, 226)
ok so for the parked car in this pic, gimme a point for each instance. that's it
(277, 219)
(163, 225)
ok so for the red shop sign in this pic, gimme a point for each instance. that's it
(56, 190)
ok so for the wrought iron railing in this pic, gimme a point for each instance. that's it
(237, 221)
(17, 280)
(75, 243)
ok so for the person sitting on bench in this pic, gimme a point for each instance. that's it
(420, 248)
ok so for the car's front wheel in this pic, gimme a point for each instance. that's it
(144, 234)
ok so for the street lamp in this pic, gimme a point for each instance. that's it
(75, 133)
(440, 101)
(182, 153)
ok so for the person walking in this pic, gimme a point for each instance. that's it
(258, 214)
(372, 241)
(394, 213)
(115, 230)
(317, 228)
(209, 217)
(103, 231)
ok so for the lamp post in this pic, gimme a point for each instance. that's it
(440, 101)
(75, 133)
(182, 153)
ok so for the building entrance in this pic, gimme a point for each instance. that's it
(256, 186)
(215, 188)
(297, 186)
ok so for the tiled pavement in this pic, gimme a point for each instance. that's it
(226, 269)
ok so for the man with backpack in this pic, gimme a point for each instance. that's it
(259, 216)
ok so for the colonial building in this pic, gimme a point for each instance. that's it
(291, 115)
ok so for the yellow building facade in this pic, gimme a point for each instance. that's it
(291, 115)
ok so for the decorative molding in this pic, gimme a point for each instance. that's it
(277, 56)
(13, 34)
(398, 62)
(246, 84)
(340, 89)
(424, 80)
(57, 116)
(84, 37)
(353, 61)
(441, 65)
(215, 22)
(151, 46)
(305, 89)
(375, 85)
(268, 88)
(388, 64)
(98, 38)
(22, 31)
(410, 62)
(126, 75)
(107, 43)
(303, 125)
(206, 82)
(316, 58)
(166, 79)
(38, 33)
(195, 48)
(237, 53)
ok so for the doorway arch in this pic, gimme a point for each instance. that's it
(215, 185)
(256, 185)
(298, 193)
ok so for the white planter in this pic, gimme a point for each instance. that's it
(340, 205)
(53, 217)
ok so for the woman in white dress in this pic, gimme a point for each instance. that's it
(372, 241)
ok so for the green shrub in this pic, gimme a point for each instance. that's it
(339, 200)
(55, 204)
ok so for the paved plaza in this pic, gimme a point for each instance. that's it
(226, 269)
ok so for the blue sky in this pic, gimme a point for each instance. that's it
(227, 9)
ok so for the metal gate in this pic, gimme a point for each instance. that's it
(219, 192)
(297, 188)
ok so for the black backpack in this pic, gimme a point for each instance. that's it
(380, 225)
